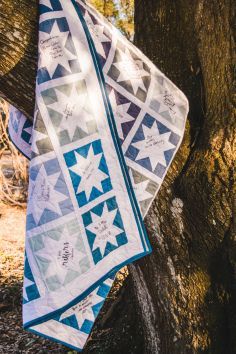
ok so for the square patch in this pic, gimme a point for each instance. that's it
(104, 228)
(48, 194)
(130, 72)
(57, 54)
(82, 315)
(153, 146)
(68, 259)
(69, 108)
(88, 171)
(166, 101)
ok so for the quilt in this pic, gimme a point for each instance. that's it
(106, 127)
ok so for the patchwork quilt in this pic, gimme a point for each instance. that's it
(106, 127)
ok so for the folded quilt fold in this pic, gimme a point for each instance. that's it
(106, 127)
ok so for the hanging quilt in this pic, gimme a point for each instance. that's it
(106, 127)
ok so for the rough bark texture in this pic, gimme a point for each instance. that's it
(18, 52)
(190, 277)
(185, 291)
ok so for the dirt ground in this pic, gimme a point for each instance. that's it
(13, 338)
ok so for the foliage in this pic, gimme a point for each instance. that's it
(126, 18)
(119, 12)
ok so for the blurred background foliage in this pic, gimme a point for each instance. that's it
(119, 12)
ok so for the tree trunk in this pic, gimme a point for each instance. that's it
(185, 291)
(18, 52)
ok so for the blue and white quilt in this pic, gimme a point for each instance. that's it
(107, 125)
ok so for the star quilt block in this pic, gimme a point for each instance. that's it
(69, 258)
(83, 315)
(130, 72)
(88, 171)
(48, 194)
(152, 146)
(166, 102)
(104, 229)
(69, 108)
(57, 53)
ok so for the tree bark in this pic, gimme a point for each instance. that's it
(185, 291)
(189, 280)
(18, 52)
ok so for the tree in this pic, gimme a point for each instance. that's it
(191, 275)
(119, 12)
(18, 54)
(185, 291)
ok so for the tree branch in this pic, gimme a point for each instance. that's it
(18, 55)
